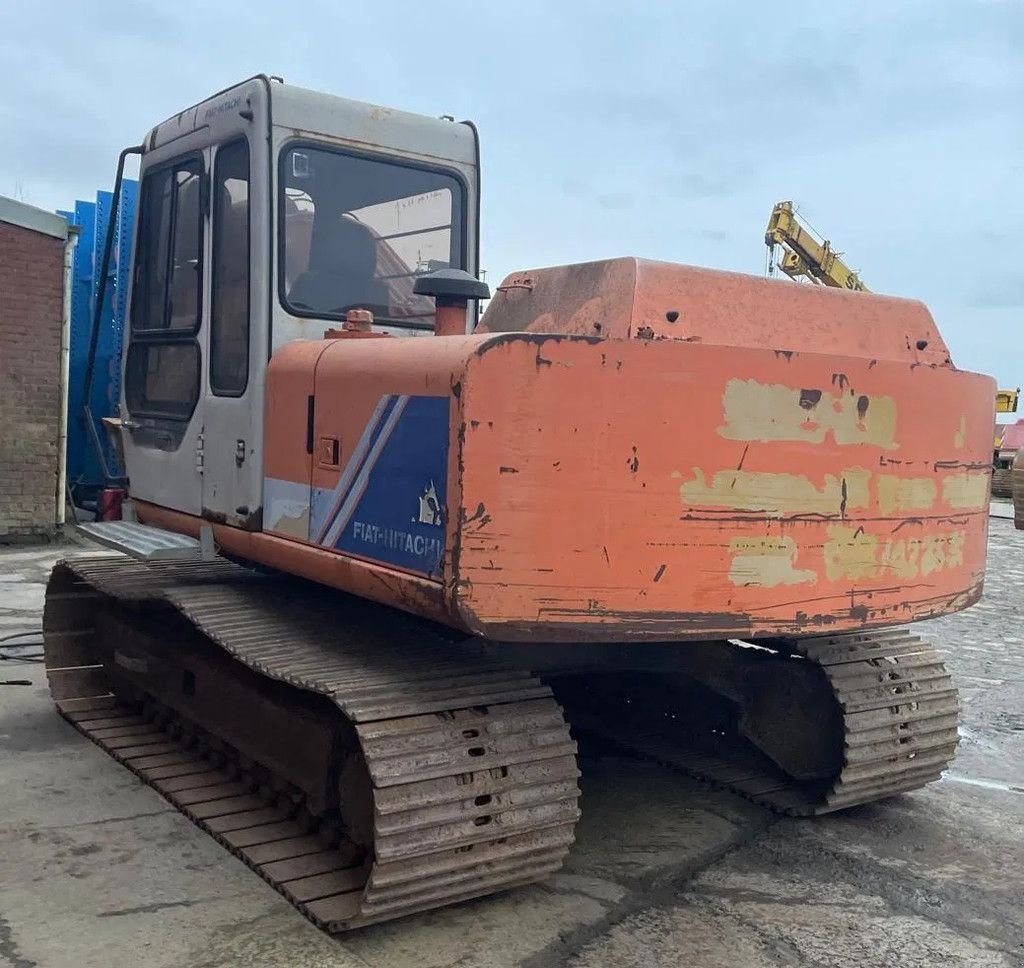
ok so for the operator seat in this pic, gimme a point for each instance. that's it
(341, 273)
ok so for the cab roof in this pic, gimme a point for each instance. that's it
(305, 113)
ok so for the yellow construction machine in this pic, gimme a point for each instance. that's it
(1004, 450)
(804, 255)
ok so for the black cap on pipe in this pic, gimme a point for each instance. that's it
(451, 285)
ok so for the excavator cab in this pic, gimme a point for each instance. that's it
(266, 213)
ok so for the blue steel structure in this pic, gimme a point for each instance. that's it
(84, 468)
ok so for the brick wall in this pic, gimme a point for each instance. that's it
(31, 300)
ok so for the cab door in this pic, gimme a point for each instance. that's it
(162, 414)
(233, 408)
(197, 351)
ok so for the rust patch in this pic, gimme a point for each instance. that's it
(479, 515)
(809, 399)
(950, 465)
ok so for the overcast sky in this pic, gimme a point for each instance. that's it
(664, 130)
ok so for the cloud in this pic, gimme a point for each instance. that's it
(664, 130)
(615, 200)
(1000, 293)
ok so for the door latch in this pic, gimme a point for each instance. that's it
(239, 453)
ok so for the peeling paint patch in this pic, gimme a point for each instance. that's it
(296, 525)
(968, 489)
(287, 509)
(961, 433)
(905, 493)
(768, 562)
(923, 556)
(771, 411)
(778, 494)
(851, 554)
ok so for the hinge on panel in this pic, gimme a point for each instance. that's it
(200, 454)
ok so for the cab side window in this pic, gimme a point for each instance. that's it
(162, 371)
(229, 311)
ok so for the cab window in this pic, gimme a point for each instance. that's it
(163, 364)
(357, 231)
(168, 261)
(229, 308)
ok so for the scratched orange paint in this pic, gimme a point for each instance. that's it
(592, 531)
(703, 455)
(589, 458)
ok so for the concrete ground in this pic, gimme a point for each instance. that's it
(97, 870)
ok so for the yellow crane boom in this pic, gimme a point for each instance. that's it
(804, 256)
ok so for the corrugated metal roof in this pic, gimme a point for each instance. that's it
(1013, 436)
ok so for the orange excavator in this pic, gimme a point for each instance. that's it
(378, 554)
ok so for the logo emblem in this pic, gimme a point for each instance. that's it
(430, 508)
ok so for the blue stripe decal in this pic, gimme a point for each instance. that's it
(394, 510)
(325, 506)
(358, 488)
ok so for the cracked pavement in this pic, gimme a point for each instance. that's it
(97, 870)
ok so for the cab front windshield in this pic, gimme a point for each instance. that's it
(357, 231)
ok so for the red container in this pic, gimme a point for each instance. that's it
(109, 508)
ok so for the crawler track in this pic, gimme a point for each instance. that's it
(459, 778)
(470, 773)
(899, 725)
(1002, 482)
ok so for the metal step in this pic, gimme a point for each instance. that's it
(147, 543)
